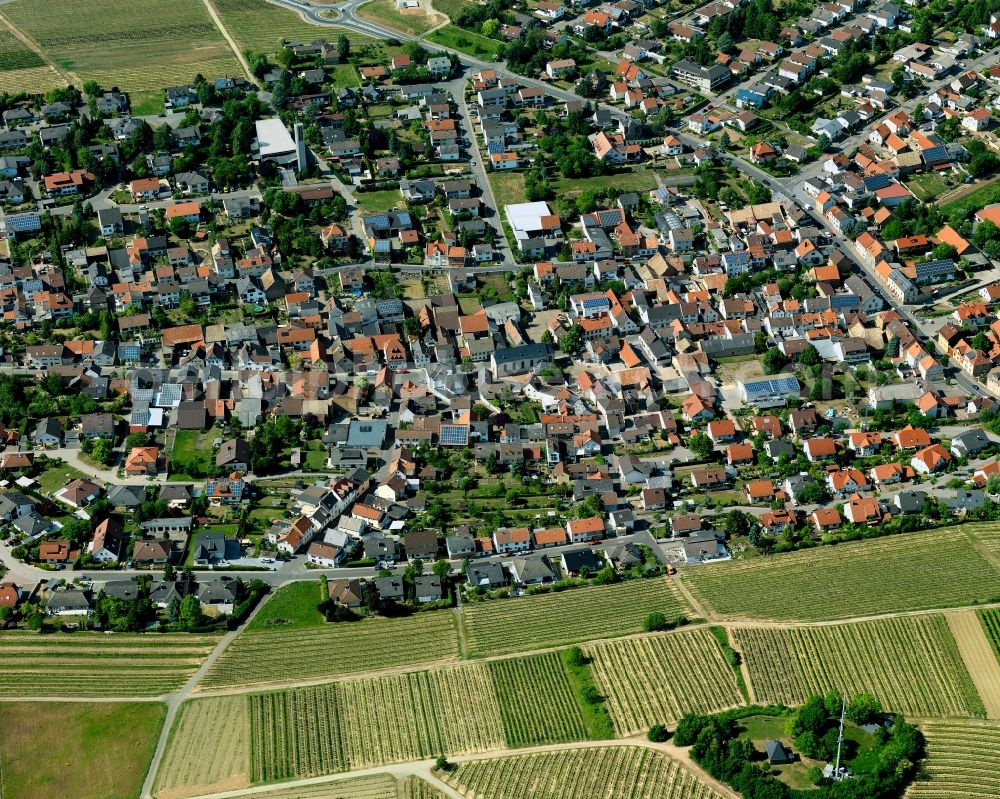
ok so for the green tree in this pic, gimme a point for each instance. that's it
(985, 231)
(190, 616)
(654, 622)
(441, 570)
(864, 708)
(572, 341)
(809, 356)
(174, 610)
(773, 361)
(701, 445)
(737, 523)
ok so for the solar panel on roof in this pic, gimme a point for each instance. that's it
(777, 385)
(170, 394)
(454, 435)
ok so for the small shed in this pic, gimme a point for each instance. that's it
(777, 753)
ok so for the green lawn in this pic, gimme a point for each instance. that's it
(508, 188)
(450, 8)
(315, 461)
(928, 186)
(192, 455)
(373, 202)
(266, 514)
(467, 42)
(147, 103)
(344, 76)
(497, 286)
(987, 194)
(55, 477)
(87, 750)
(640, 180)
(296, 603)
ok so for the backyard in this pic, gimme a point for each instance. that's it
(192, 456)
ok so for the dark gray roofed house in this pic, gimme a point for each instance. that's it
(421, 544)
(427, 588)
(233, 455)
(518, 360)
(575, 560)
(175, 494)
(209, 548)
(68, 602)
(390, 588)
(532, 570)
(485, 575)
(97, 425)
(48, 433)
(460, 545)
(969, 443)
(126, 496)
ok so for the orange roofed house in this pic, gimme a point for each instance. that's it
(583, 530)
(143, 462)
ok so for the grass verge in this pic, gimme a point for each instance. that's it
(732, 657)
(595, 715)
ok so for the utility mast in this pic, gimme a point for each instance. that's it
(837, 776)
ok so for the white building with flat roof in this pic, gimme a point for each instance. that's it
(532, 220)
(275, 143)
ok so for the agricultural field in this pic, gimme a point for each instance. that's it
(22, 69)
(979, 657)
(208, 750)
(260, 26)
(568, 617)
(990, 619)
(93, 664)
(963, 761)
(606, 772)
(987, 534)
(87, 750)
(259, 657)
(910, 663)
(306, 732)
(420, 714)
(548, 712)
(294, 733)
(378, 786)
(122, 43)
(37, 80)
(416, 788)
(917, 571)
(15, 55)
(667, 676)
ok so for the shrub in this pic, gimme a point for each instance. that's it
(658, 733)
(688, 728)
(576, 657)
